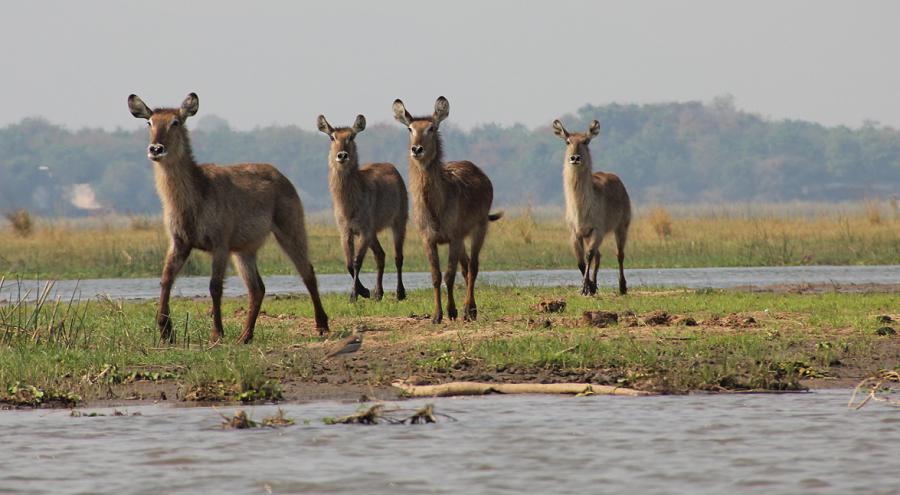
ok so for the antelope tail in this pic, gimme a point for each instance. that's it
(493, 217)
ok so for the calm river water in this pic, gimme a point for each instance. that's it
(148, 288)
(771, 444)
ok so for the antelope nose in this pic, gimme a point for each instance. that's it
(156, 149)
(342, 155)
(417, 150)
(575, 159)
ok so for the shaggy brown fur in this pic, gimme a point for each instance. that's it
(450, 202)
(367, 200)
(596, 204)
(221, 210)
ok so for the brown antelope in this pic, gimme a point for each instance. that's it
(450, 202)
(221, 210)
(367, 200)
(596, 204)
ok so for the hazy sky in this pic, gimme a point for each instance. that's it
(262, 63)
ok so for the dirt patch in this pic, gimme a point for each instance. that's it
(657, 318)
(599, 318)
(732, 320)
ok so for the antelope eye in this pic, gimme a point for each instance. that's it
(150, 123)
(568, 142)
(331, 138)
(175, 122)
(409, 129)
(350, 138)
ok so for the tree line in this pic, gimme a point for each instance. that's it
(665, 153)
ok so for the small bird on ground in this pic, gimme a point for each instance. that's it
(349, 344)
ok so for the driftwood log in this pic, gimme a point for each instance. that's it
(478, 388)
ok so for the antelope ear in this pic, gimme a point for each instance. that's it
(441, 110)
(324, 126)
(190, 105)
(559, 130)
(400, 113)
(138, 108)
(360, 124)
(594, 129)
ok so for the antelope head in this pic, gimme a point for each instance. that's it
(577, 151)
(167, 132)
(343, 147)
(424, 139)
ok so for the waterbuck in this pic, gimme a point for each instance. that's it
(596, 204)
(224, 211)
(450, 202)
(367, 200)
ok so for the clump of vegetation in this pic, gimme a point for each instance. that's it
(872, 208)
(551, 306)
(144, 222)
(220, 390)
(660, 221)
(20, 394)
(20, 221)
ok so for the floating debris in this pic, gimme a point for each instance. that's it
(241, 421)
(424, 415)
(369, 416)
(378, 414)
(279, 420)
(880, 387)
(94, 414)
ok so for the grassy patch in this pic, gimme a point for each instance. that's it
(836, 235)
(742, 341)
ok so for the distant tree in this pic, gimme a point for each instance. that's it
(665, 152)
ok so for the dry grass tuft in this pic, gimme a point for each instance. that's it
(143, 222)
(872, 207)
(661, 221)
(21, 222)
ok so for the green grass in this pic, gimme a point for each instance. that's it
(521, 240)
(104, 344)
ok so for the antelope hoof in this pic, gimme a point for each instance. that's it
(623, 289)
(592, 288)
(437, 318)
(379, 293)
(166, 333)
(215, 337)
(245, 338)
(362, 291)
(451, 313)
(401, 293)
(470, 312)
(353, 296)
